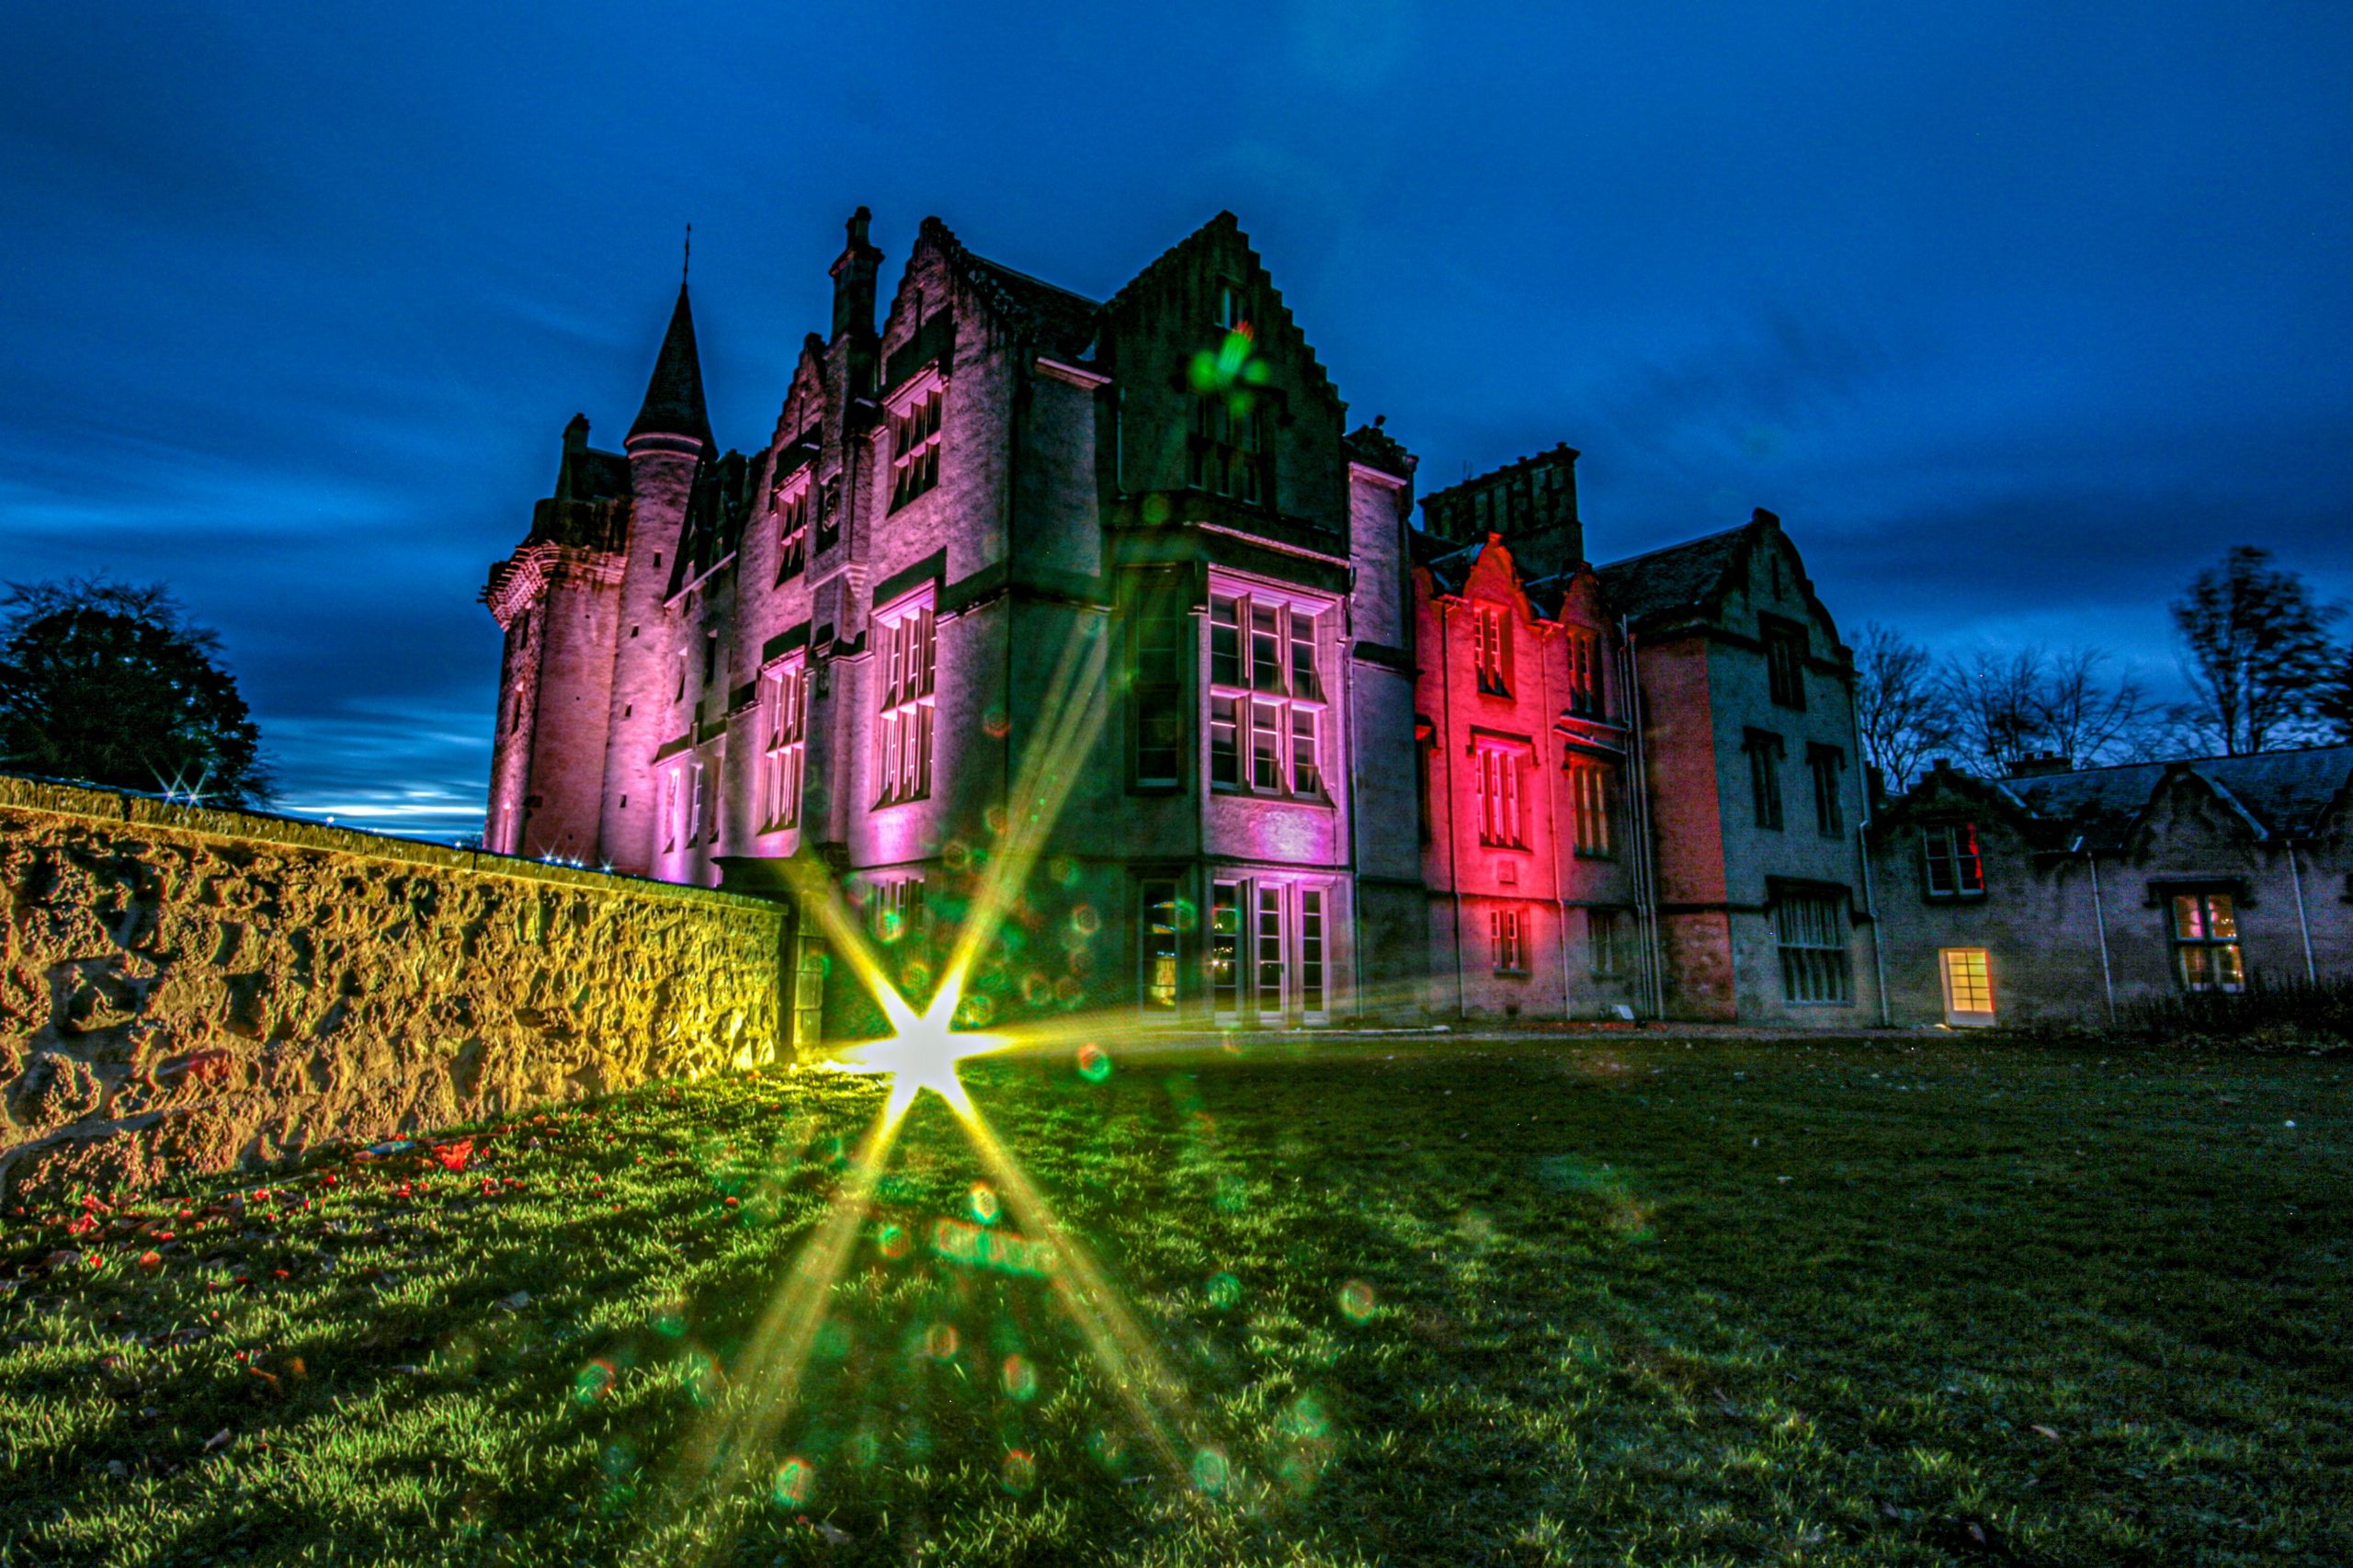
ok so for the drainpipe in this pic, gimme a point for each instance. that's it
(1560, 840)
(1639, 818)
(1349, 722)
(1863, 858)
(1445, 746)
(2304, 926)
(2099, 920)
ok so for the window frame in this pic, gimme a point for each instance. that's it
(1498, 792)
(1808, 965)
(1963, 888)
(783, 718)
(1788, 645)
(1593, 794)
(1156, 696)
(1507, 939)
(905, 704)
(1247, 696)
(794, 503)
(1491, 647)
(1828, 765)
(1766, 751)
(2217, 936)
(913, 431)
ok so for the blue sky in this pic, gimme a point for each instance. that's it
(2017, 315)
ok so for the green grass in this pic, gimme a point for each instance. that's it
(1633, 1301)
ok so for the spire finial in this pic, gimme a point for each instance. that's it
(687, 262)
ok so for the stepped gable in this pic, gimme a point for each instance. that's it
(1226, 228)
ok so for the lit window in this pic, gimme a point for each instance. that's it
(1764, 749)
(1224, 948)
(1495, 782)
(1489, 648)
(784, 723)
(1812, 934)
(1953, 867)
(1507, 939)
(1969, 985)
(1829, 766)
(1584, 651)
(1592, 791)
(2206, 942)
(1160, 917)
(1266, 696)
(914, 447)
(793, 530)
(898, 914)
(1785, 655)
(907, 646)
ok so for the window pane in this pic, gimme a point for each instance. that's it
(1157, 922)
(2221, 919)
(1310, 951)
(1225, 931)
(2189, 917)
(1225, 642)
(1303, 657)
(1306, 779)
(1266, 746)
(1265, 651)
(1225, 761)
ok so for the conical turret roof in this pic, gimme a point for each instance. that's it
(674, 405)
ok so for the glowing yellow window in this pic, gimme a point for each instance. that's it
(1969, 986)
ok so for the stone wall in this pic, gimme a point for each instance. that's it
(185, 989)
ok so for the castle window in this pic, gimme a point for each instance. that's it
(1274, 690)
(1954, 867)
(2206, 942)
(1507, 940)
(709, 657)
(793, 530)
(1490, 650)
(1159, 913)
(784, 721)
(1813, 950)
(1227, 452)
(1785, 654)
(906, 648)
(675, 825)
(1583, 651)
(1592, 790)
(1764, 749)
(914, 447)
(900, 919)
(1232, 311)
(1828, 765)
(1496, 780)
(1156, 691)
(1605, 940)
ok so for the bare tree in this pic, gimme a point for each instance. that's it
(1903, 712)
(2337, 697)
(2255, 648)
(2082, 717)
(2007, 706)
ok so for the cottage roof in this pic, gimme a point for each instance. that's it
(674, 402)
(1676, 577)
(2282, 794)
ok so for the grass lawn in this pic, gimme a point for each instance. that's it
(1625, 1299)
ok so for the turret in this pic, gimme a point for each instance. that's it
(673, 414)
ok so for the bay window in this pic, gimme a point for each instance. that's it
(1266, 696)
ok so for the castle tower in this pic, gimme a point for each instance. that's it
(557, 600)
(667, 444)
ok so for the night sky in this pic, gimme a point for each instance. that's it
(2017, 315)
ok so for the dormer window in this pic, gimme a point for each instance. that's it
(1584, 650)
(914, 446)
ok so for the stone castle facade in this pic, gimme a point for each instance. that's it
(1347, 764)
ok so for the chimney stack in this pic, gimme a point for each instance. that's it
(853, 281)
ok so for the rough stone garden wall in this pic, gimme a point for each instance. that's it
(185, 989)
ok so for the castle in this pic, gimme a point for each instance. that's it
(1349, 764)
